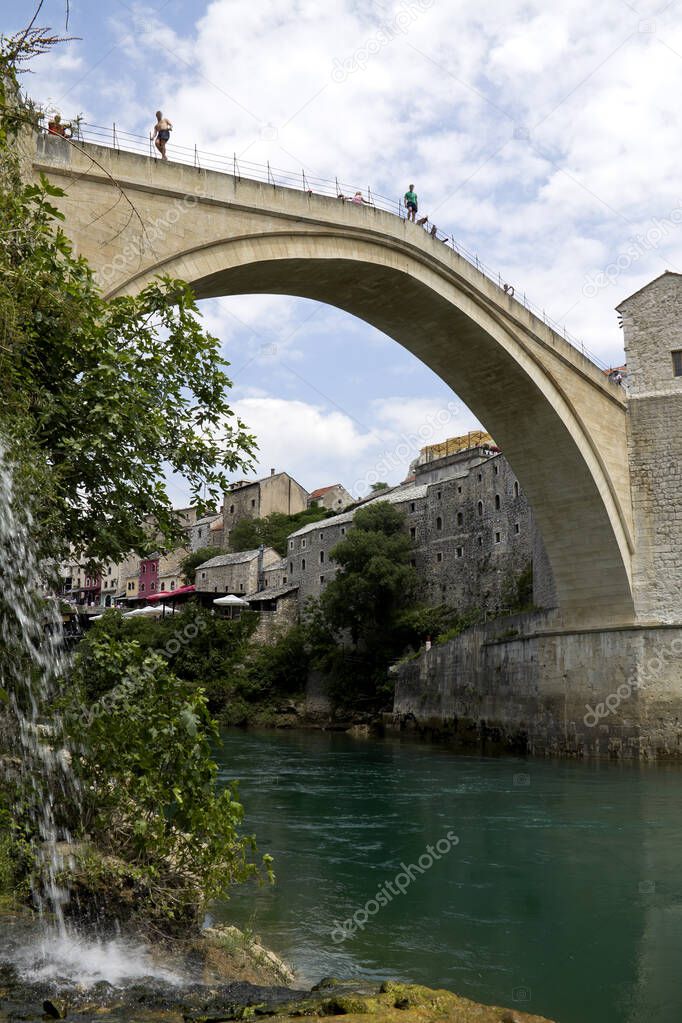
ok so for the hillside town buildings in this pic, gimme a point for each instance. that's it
(470, 525)
(256, 499)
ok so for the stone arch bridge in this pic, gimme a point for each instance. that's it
(559, 421)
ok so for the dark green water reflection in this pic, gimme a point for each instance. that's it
(563, 896)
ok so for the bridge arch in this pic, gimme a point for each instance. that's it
(560, 423)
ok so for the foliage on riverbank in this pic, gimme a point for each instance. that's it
(142, 739)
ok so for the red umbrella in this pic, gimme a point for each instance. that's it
(181, 591)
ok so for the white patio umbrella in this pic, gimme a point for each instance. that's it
(230, 601)
(150, 611)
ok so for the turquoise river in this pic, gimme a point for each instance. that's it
(562, 895)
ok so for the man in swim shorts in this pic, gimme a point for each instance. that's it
(411, 203)
(161, 133)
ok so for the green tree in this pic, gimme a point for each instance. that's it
(374, 584)
(98, 399)
(379, 486)
(143, 738)
(272, 531)
(189, 565)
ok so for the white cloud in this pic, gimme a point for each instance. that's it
(312, 443)
(540, 137)
(319, 445)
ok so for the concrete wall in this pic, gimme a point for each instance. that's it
(520, 684)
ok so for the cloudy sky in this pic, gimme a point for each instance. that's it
(545, 140)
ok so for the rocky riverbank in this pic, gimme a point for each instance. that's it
(159, 1002)
(220, 975)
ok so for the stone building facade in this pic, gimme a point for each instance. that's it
(278, 492)
(276, 575)
(205, 532)
(334, 498)
(474, 537)
(652, 327)
(277, 608)
(472, 532)
(239, 573)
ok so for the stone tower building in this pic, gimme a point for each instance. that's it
(652, 325)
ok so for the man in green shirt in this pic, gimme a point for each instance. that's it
(411, 203)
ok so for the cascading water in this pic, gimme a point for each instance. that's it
(32, 661)
(35, 765)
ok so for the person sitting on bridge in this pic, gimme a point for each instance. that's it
(411, 203)
(55, 127)
(161, 133)
(359, 199)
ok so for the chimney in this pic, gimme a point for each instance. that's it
(261, 566)
(272, 472)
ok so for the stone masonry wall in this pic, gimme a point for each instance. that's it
(520, 684)
(273, 624)
(473, 535)
(652, 323)
(477, 537)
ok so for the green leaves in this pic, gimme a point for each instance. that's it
(273, 531)
(145, 760)
(374, 584)
(102, 399)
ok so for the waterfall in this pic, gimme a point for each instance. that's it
(36, 764)
(32, 661)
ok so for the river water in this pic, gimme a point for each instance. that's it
(562, 895)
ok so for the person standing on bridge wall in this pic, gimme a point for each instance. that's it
(161, 133)
(411, 203)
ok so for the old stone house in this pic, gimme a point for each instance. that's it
(256, 499)
(239, 573)
(334, 498)
(206, 532)
(278, 611)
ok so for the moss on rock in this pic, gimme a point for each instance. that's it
(225, 953)
(392, 1003)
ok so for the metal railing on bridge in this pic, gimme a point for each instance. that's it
(115, 138)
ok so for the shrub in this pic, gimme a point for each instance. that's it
(144, 757)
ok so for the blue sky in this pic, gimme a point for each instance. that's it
(545, 140)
